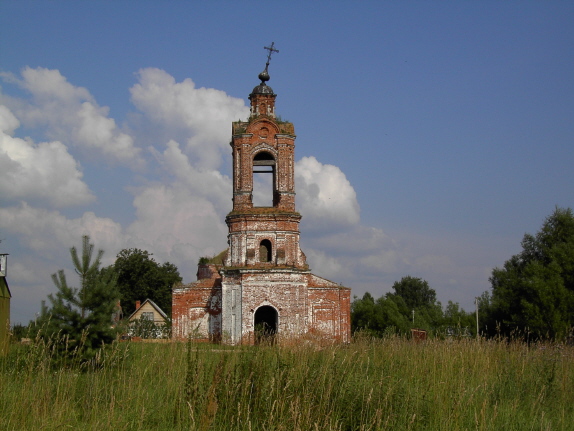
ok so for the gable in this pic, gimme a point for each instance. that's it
(149, 308)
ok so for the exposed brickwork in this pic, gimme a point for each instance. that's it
(196, 307)
(265, 281)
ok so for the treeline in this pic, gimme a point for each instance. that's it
(532, 295)
(412, 304)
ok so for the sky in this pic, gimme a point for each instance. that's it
(431, 136)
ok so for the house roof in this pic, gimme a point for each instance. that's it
(154, 305)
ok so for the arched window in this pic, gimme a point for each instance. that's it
(265, 251)
(263, 179)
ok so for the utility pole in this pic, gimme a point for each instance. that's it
(476, 303)
(413, 317)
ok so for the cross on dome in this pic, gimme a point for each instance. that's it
(264, 76)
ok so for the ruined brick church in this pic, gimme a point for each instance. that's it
(261, 286)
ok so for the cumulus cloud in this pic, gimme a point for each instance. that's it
(202, 114)
(182, 218)
(353, 254)
(43, 172)
(70, 114)
(44, 231)
(324, 196)
(201, 181)
(177, 225)
(8, 122)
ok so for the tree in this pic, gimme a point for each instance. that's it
(456, 321)
(81, 318)
(140, 277)
(415, 292)
(362, 312)
(378, 317)
(534, 291)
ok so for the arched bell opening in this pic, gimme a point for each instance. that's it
(263, 179)
(265, 251)
(265, 323)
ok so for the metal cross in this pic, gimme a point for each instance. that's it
(271, 50)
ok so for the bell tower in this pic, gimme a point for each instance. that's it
(261, 286)
(264, 235)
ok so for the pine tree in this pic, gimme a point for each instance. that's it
(79, 320)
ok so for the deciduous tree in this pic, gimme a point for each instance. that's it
(385, 315)
(534, 291)
(140, 277)
(415, 292)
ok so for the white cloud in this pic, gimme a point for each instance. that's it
(203, 114)
(177, 226)
(183, 218)
(210, 184)
(324, 196)
(8, 122)
(326, 265)
(70, 114)
(44, 231)
(353, 255)
(44, 172)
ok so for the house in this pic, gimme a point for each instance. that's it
(5, 296)
(148, 321)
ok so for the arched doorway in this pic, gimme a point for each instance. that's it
(265, 322)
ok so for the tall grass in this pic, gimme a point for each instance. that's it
(369, 385)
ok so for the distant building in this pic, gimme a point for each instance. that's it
(148, 311)
(261, 286)
(5, 296)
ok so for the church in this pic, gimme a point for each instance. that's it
(260, 287)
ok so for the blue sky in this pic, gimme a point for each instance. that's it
(430, 135)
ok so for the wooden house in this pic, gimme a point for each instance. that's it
(148, 311)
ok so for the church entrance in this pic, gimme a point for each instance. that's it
(265, 322)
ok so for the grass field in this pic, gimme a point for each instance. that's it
(392, 384)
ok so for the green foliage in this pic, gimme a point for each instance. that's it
(214, 260)
(146, 328)
(19, 331)
(534, 291)
(140, 277)
(415, 292)
(79, 320)
(380, 317)
(392, 313)
(458, 322)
